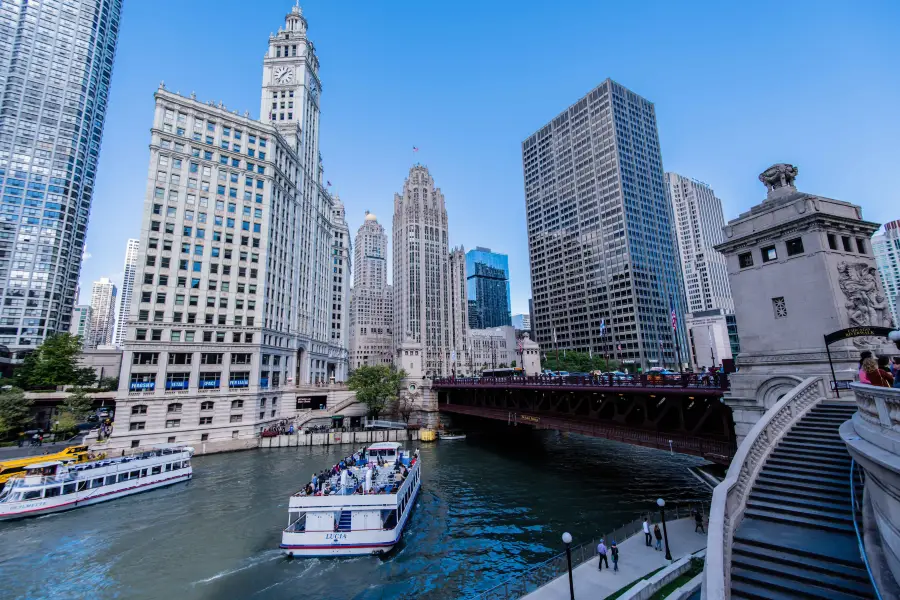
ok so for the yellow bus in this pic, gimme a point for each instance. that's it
(14, 466)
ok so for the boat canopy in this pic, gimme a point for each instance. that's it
(43, 465)
(384, 446)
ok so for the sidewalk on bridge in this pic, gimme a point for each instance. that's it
(636, 560)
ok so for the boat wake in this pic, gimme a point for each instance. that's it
(267, 556)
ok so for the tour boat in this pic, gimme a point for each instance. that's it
(361, 511)
(54, 486)
(452, 435)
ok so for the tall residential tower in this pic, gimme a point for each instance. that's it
(601, 236)
(370, 304)
(421, 270)
(56, 60)
(886, 248)
(103, 313)
(131, 265)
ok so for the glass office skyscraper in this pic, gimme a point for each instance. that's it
(605, 273)
(56, 59)
(487, 286)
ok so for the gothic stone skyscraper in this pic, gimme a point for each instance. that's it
(56, 60)
(370, 306)
(236, 265)
(421, 270)
(600, 232)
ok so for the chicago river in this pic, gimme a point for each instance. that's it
(490, 508)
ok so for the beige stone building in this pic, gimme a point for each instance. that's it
(371, 318)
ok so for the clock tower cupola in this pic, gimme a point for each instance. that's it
(290, 85)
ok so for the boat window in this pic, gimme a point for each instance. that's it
(156, 470)
(123, 476)
(97, 482)
(82, 485)
(186, 464)
(390, 453)
(32, 495)
(176, 466)
(110, 479)
(168, 467)
(51, 492)
(69, 488)
(143, 472)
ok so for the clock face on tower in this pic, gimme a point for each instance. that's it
(284, 75)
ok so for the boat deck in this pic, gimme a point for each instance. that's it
(384, 481)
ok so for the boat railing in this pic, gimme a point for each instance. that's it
(298, 526)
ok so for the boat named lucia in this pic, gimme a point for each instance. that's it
(55, 486)
(360, 510)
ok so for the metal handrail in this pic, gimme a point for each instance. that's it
(862, 547)
(543, 573)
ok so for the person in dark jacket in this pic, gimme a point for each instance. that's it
(657, 533)
(614, 551)
(698, 522)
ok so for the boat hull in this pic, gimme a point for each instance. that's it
(351, 543)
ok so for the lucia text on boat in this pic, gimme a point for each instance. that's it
(54, 486)
(359, 506)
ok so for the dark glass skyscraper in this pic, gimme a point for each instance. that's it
(56, 59)
(487, 286)
(605, 273)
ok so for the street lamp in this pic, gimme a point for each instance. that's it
(567, 540)
(662, 513)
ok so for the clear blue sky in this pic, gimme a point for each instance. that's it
(737, 87)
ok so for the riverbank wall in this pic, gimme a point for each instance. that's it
(357, 438)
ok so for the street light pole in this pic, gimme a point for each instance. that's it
(567, 540)
(662, 513)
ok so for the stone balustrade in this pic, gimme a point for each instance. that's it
(873, 440)
(730, 496)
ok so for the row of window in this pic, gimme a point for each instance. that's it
(185, 358)
(795, 246)
(177, 335)
(71, 488)
(175, 423)
(146, 382)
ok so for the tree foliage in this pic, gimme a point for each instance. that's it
(64, 423)
(376, 386)
(406, 404)
(15, 408)
(78, 404)
(55, 363)
(576, 362)
(109, 384)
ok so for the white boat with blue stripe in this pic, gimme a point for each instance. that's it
(362, 510)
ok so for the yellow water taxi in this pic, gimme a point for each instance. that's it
(16, 466)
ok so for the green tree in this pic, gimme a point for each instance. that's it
(78, 404)
(502, 366)
(55, 363)
(576, 362)
(376, 386)
(64, 424)
(15, 408)
(109, 384)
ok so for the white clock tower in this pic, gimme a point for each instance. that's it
(290, 86)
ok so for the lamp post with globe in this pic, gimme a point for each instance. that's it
(567, 540)
(662, 513)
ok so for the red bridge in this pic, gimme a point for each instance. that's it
(682, 413)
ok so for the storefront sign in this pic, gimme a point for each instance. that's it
(142, 386)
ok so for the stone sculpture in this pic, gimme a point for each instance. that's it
(865, 304)
(779, 176)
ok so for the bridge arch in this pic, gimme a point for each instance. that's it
(772, 390)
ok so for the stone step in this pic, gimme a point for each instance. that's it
(815, 475)
(802, 483)
(829, 434)
(824, 419)
(798, 465)
(811, 457)
(802, 574)
(828, 430)
(832, 515)
(828, 451)
(774, 587)
(778, 516)
(786, 557)
(801, 494)
(801, 500)
(828, 442)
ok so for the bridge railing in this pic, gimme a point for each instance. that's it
(686, 381)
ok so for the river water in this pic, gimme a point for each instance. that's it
(489, 508)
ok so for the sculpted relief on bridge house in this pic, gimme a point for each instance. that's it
(865, 304)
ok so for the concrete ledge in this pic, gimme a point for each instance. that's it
(642, 590)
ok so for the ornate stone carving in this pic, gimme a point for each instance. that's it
(778, 177)
(865, 304)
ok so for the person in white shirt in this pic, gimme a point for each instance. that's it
(648, 537)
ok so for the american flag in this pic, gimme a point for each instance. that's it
(415, 149)
(674, 318)
(328, 183)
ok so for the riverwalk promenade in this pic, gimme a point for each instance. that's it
(636, 560)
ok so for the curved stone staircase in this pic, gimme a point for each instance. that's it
(796, 539)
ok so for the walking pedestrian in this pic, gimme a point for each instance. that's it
(647, 537)
(657, 533)
(601, 552)
(614, 550)
(698, 522)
